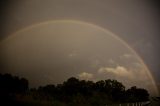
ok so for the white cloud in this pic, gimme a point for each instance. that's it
(119, 70)
(85, 76)
(126, 56)
(124, 74)
(129, 76)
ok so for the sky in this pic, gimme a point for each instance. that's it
(133, 21)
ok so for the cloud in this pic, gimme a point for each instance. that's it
(118, 70)
(126, 56)
(128, 76)
(85, 76)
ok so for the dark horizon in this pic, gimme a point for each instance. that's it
(71, 91)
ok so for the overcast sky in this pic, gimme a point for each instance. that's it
(134, 21)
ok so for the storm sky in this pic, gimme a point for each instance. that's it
(134, 21)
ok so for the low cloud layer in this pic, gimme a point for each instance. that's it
(128, 76)
(85, 76)
(119, 70)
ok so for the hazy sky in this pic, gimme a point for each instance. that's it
(133, 21)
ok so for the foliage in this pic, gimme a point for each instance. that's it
(71, 92)
(135, 94)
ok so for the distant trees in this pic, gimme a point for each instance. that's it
(135, 94)
(12, 84)
(74, 91)
(104, 90)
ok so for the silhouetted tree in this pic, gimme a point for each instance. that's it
(99, 86)
(71, 86)
(13, 84)
(10, 86)
(73, 91)
(135, 94)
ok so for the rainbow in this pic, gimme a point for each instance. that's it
(94, 26)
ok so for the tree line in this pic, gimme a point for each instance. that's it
(73, 90)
